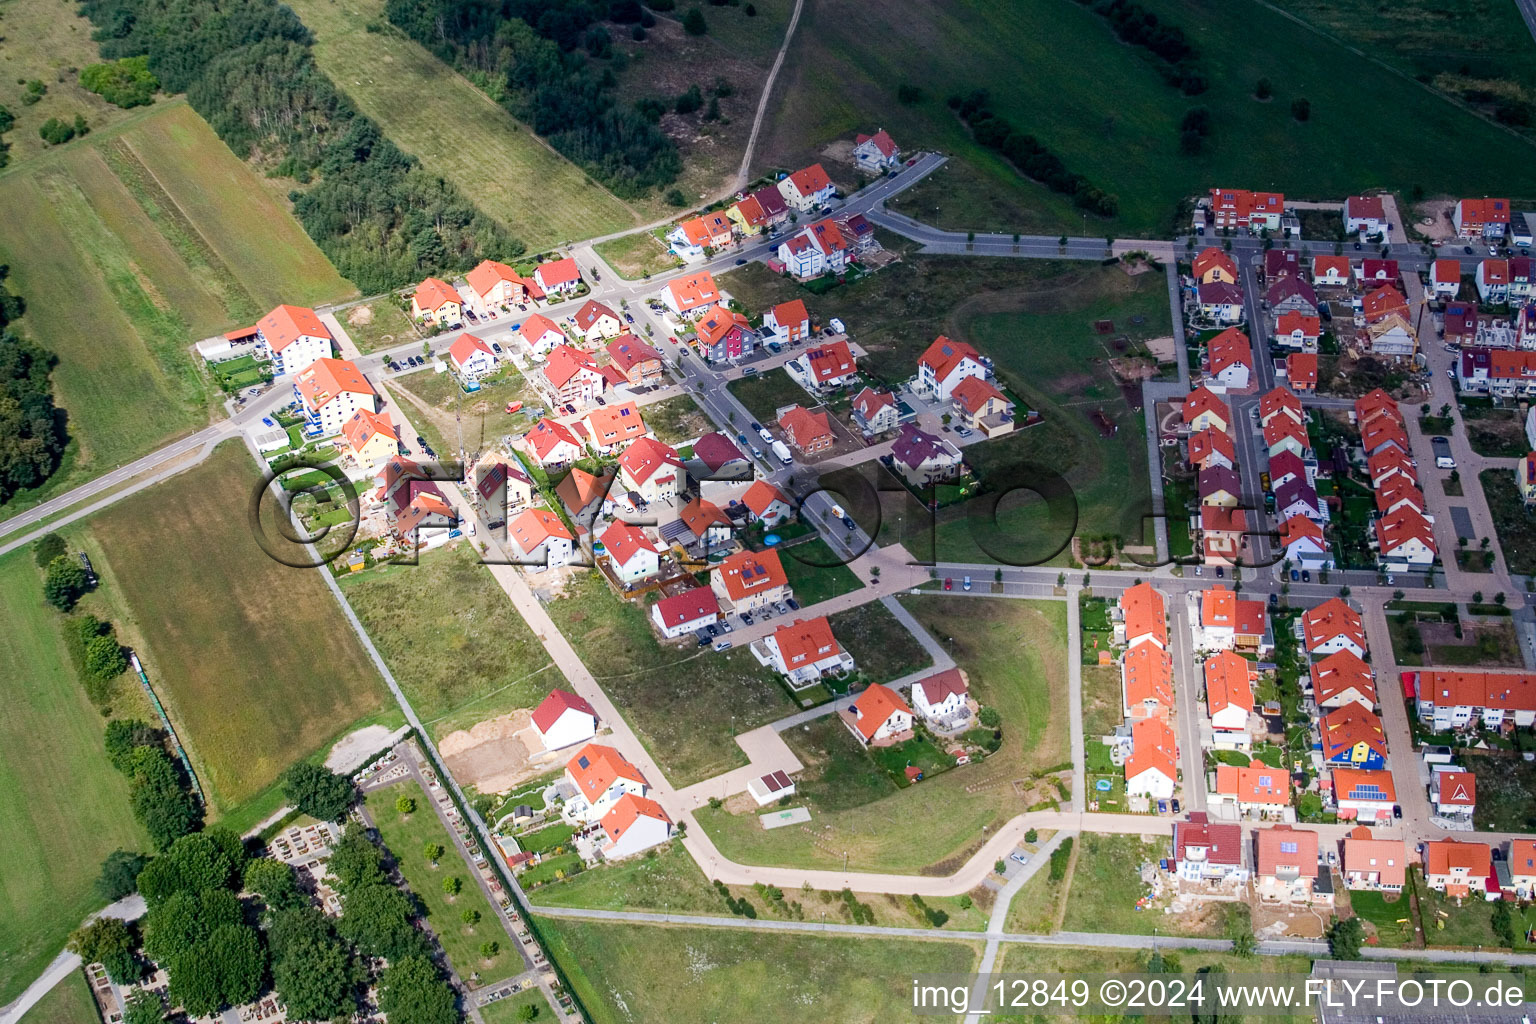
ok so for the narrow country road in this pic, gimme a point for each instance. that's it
(129, 908)
(742, 172)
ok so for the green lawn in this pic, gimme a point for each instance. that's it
(725, 693)
(1105, 110)
(452, 638)
(637, 255)
(64, 806)
(1384, 912)
(816, 573)
(1035, 906)
(505, 1011)
(159, 237)
(254, 661)
(480, 420)
(1014, 653)
(884, 649)
(437, 115)
(765, 393)
(652, 975)
(1506, 795)
(1105, 886)
(406, 836)
(70, 1002)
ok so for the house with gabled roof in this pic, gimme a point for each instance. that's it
(943, 699)
(831, 365)
(551, 443)
(980, 406)
(1286, 467)
(1223, 533)
(1229, 361)
(423, 519)
(1291, 295)
(1146, 683)
(1283, 434)
(1453, 794)
(1353, 737)
(1241, 208)
(1492, 280)
(1365, 215)
(371, 440)
(1207, 852)
(1445, 279)
(761, 211)
(1481, 218)
(1405, 540)
(1280, 263)
(494, 284)
(1304, 544)
(691, 293)
(1333, 626)
(471, 357)
(1363, 795)
(707, 527)
(633, 825)
(502, 486)
(1218, 485)
(1301, 372)
(1374, 272)
(788, 322)
(685, 612)
(563, 719)
(294, 337)
(1255, 792)
(1220, 302)
(1457, 868)
(878, 717)
(611, 428)
(750, 580)
(1331, 271)
(600, 776)
(1229, 699)
(803, 651)
(558, 277)
(723, 334)
(1228, 622)
(1298, 331)
(876, 153)
(1521, 858)
(945, 364)
(1202, 408)
(570, 377)
(631, 554)
(875, 411)
(1151, 769)
(1285, 865)
(331, 391)
(720, 456)
(652, 470)
(1211, 448)
(1213, 264)
(767, 503)
(1143, 617)
(1342, 678)
(638, 362)
(438, 302)
(820, 248)
(1458, 699)
(596, 322)
(1374, 865)
(807, 189)
(808, 432)
(924, 459)
(540, 334)
(1299, 498)
(540, 539)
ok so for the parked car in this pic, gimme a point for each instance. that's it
(1295, 575)
(746, 618)
(722, 645)
(726, 627)
(794, 605)
(949, 584)
(966, 583)
(1018, 857)
(1306, 575)
(740, 262)
(1175, 805)
(1221, 572)
(1162, 807)
(629, 318)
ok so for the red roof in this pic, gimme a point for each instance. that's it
(1383, 302)
(1256, 784)
(1145, 612)
(1364, 208)
(1333, 618)
(628, 809)
(1457, 789)
(1213, 258)
(1360, 784)
(805, 642)
(750, 572)
(1348, 727)
(1484, 211)
(558, 272)
(1228, 682)
(811, 179)
(645, 457)
(1147, 671)
(548, 433)
(1387, 857)
(874, 707)
(699, 515)
(717, 322)
(940, 685)
(973, 393)
(1504, 691)
(830, 361)
(488, 274)
(433, 293)
(1300, 527)
(1446, 272)
(1301, 368)
(882, 140)
(624, 541)
(1404, 526)
(326, 378)
(595, 768)
(286, 324)
(694, 291)
(1223, 844)
(628, 351)
(556, 704)
(1292, 322)
(1327, 266)
(1339, 673)
(689, 606)
(465, 346)
(944, 355)
(363, 425)
(804, 427)
(1230, 347)
(535, 526)
(1203, 400)
(790, 314)
(1153, 748)
(564, 363)
(869, 402)
(715, 450)
(1447, 855)
(537, 326)
(1282, 847)
(591, 312)
(1211, 441)
(761, 495)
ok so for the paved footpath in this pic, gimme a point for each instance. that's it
(999, 919)
(129, 908)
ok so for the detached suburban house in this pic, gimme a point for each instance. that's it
(331, 391)
(600, 776)
(723, 334)
(807, 189)
(1454, 795)
(1220, 302)
(685, 612)
(372, 440)
(471, 357)
(631, 555)
(1146, 683)
(597, 322)
(803, 651)
(1304, 545)
(721, 458)
(808, 432)
(767, 503)
(982, 407)
(763, 210)
(552, 444)
(494, 284)
(502, 486)
(1257, 792)
(1352, 737)
(945, 364)
(651, 470)
(1203, 852)
(638, 362)
(1445, 279)
(1229, 699)
(1151, 770)
(1202, 409)
(438, 302)
(1229, 623)
(294, 337)
(1213, 264)
(540, 539)
(1333, 626)
(1342, 678)
(613, 427)
(1229, 360)
(1286, 864)
(541, 334)
(943, 699)
(558, 277)
(563, 719)
(570, 377)
(876, 153)
(819, 249)
(788, 322)
(1457, 868)
(1374, 865)
(634, 825)
(750, 580)
(1365, 215)
(689, 294)
(1364, 796)
(1143, 617)
(831, 365)
(924, 459)
(875, 412)
(1481, 218)
(879, 717)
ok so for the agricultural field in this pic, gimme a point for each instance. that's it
(407, 835)
(451, 637)
(1105, 109)
(1037, 321)
(161, 237)
(65, 807)
(726, 694)
(227, 627)
(1014, 654)
(438, 116)
(644, 974)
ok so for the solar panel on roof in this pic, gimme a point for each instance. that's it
(584, 762)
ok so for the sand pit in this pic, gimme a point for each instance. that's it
(352, 751)
(495, 755)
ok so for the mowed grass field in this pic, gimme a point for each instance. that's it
(1014, 653)
(1104, 108)
(254, 661)
(438, 116)
(64, 806)
(157, 236)
(644, 974)
(70, 1002)
(451, 638)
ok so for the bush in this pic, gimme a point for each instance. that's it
(405, 805)
(693, 22)
(1031, 836)
(689, 101)
(1059, 859)
(1301, 108)
(34, 91)
(675, 197)
(56, 132)
(1262, 89)
(64, 583)
(126, 83)
(47, 548)
(990, 717)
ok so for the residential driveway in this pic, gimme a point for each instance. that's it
(766, 752)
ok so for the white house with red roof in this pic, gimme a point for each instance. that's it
(1481, 218)
(1229, 699)
(1454, 794)
(1202, 409)
(807, 189)
(331, 391)
(750, 580)
(1331, 627)
(831, 365)
(437, 301)
(1331, 271)
(820, 248)
(1240, 208)
(1304, 544)
(638, 362)
(767, 503)
(1445, 279)
(1454, 699)
(558, 277)
(494, 284)
(1363, 795)
(1285, 864)
(788, 322)
(633, 825)
(691, 293)
(540, 334)
(1255, 791)
(1229, 361)
(686, 612)
(371, 440)
(1374, 865)
(552, 444)
(878, 717)
(540, 539)
(875, 412)
(563, 719)
(1210, 448)
(876, 153)
(631, 555)
(1297, 330)
(600, 776)
(945, 364)
(1405, 540)
(706, 527)
(688, 240)
(597, 322)
(570, 377)
(803, 651)
(942, 698)
(1365, 215)
(1207, 852)
(1342, 678)
(652, 470)
(1151, 770)
(471, 357)
(294, 337)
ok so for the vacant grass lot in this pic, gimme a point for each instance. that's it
(1514, 525)
(766, 393)
(435, 114)
(64, 806)
(880, 643)
(255, 663)
(407, 835)
(637, 255)
(1105, 888)
(158, 236)
(451, 637)
(377, 324)
(1014, 653)
(676, 420)
(644, 974)
(1104, 108)
(722, 694)
(816, 573)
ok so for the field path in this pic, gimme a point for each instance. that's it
(762, 101)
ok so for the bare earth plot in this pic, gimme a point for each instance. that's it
(435, 114)
(254, 660)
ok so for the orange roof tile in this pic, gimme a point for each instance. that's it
(1448, 855)
(433, 294)
(595, 768)
(326, 378)
(874, 707)
(1228, 682)
(1256, 784)
(1153, 748)
(751, 572)
(286, 324)
(1147, 671)
(944, 355)
(628, 809)
(694, 291)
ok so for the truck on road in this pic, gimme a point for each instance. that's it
(1442, 449)
(781, 450)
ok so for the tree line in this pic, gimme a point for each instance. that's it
(1137, 26)
(543, 61)
(1029, 155)
(249, 71)
(32, 434)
